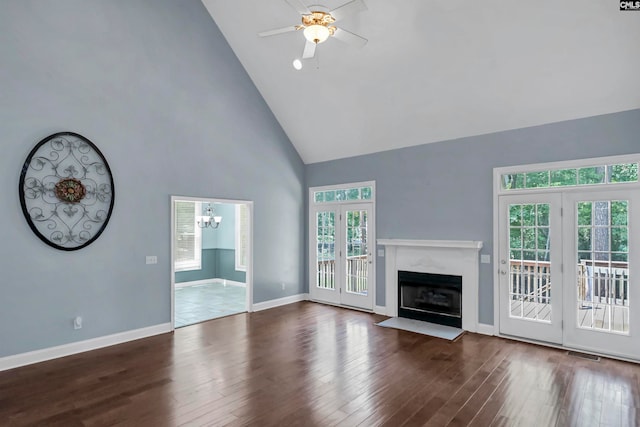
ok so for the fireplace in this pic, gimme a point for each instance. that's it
(450, 257)
(435, 298)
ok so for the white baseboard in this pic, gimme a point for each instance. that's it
(485, 329)
(265, 305)
(194, 283)
(22, 359)
(207, 281)
(232, 283)
(380, 309)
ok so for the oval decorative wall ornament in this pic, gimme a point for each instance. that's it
(66, 191)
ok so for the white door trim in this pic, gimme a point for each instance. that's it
(314, 207)
(249, 272)
(497, 191)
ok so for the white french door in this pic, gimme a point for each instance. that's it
(600, 233)
(566, 269)
(530, 275)
(342, 241)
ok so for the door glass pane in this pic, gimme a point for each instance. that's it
(529, 264)
(357, 265)
(326, 254)
(603, 268)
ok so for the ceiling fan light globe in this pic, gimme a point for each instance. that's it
(316, 33)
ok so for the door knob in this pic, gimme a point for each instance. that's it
(503, 272)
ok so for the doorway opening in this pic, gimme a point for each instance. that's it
(211, 253)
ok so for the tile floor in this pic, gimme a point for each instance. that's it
(198, 303)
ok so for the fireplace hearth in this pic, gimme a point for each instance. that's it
(435, 298)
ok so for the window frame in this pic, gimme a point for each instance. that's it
(196, 262)
(241, 231)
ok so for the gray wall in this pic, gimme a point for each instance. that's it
(444, 190)
(156, 87)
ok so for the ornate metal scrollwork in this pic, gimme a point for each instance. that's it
(66, 191)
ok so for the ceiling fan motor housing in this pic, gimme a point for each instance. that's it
(317, 19)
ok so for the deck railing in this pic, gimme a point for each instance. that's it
(602, 282)
(530, 279)
(598, 281)
(356, 273)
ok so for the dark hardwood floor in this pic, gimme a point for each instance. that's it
(313, 365)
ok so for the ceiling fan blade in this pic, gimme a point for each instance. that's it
(309, 50)
(347, 9)
(277, 31)
(349, 38)
(299, 6)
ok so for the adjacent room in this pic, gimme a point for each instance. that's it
(210, 259)
(344, 212)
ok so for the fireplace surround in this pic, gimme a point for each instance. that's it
(447, 257)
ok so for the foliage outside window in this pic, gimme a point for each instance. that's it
(188, 236)
(343, 194)
(593, 175)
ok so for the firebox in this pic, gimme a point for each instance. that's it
(435, 298)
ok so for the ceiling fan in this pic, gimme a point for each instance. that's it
(317, 25)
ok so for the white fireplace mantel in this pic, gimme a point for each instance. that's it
(454, 257)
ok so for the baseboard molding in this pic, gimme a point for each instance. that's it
(485, 329)
(17, 360)
(265, 305)
(194, 283)
(380, 309)
(225, 282)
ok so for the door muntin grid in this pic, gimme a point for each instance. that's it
(603, 266)
(530, 288)
(356, 250)
(325, 249)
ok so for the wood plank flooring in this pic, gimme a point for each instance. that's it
(308, 364)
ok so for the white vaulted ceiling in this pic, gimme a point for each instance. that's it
(435, 70)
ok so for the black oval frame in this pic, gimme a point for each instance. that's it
(23, 173)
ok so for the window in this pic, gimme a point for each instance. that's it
(570, 177)
(188, 237)
(343, 194)
(242, 236)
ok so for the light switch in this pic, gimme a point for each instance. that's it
(152, 259)
(380, 252)
(485, 258)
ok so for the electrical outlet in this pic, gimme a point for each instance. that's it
(151, 259)
(283, 286)
(485, 259)
(77, 322)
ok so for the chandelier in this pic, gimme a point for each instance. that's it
(209, 219)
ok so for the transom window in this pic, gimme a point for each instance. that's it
(343, 194)
(571, 177)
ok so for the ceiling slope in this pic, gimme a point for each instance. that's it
(435, 70)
